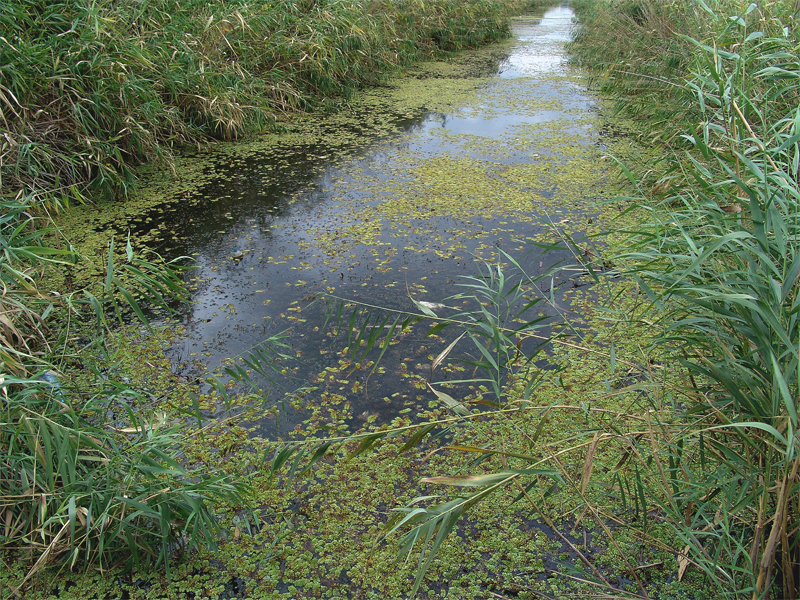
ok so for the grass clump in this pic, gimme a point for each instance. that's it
(651, 56)
(74, 487)
(88, 91)
(719, 260)
(88, 474)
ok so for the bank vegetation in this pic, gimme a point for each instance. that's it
(713, 90)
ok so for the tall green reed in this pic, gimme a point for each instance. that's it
(76, 484)
(720, 263)
(724, 263)
(78, 489)
(88, 91)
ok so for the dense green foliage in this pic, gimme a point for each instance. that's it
(644, 53)
(76, 488)
(714, 86)
(88, 90)
(87, 473)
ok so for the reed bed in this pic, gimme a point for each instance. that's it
(719, 260)
(88, 91)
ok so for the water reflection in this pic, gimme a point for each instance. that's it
(540, 47)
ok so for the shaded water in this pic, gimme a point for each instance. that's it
(404, 195)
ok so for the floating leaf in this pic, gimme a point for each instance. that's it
(438, 360)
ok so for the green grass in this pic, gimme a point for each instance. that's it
(718, 258)
(88, 91)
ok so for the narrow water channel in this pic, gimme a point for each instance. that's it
(405, 193)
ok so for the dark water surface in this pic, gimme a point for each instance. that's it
(378, 205)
